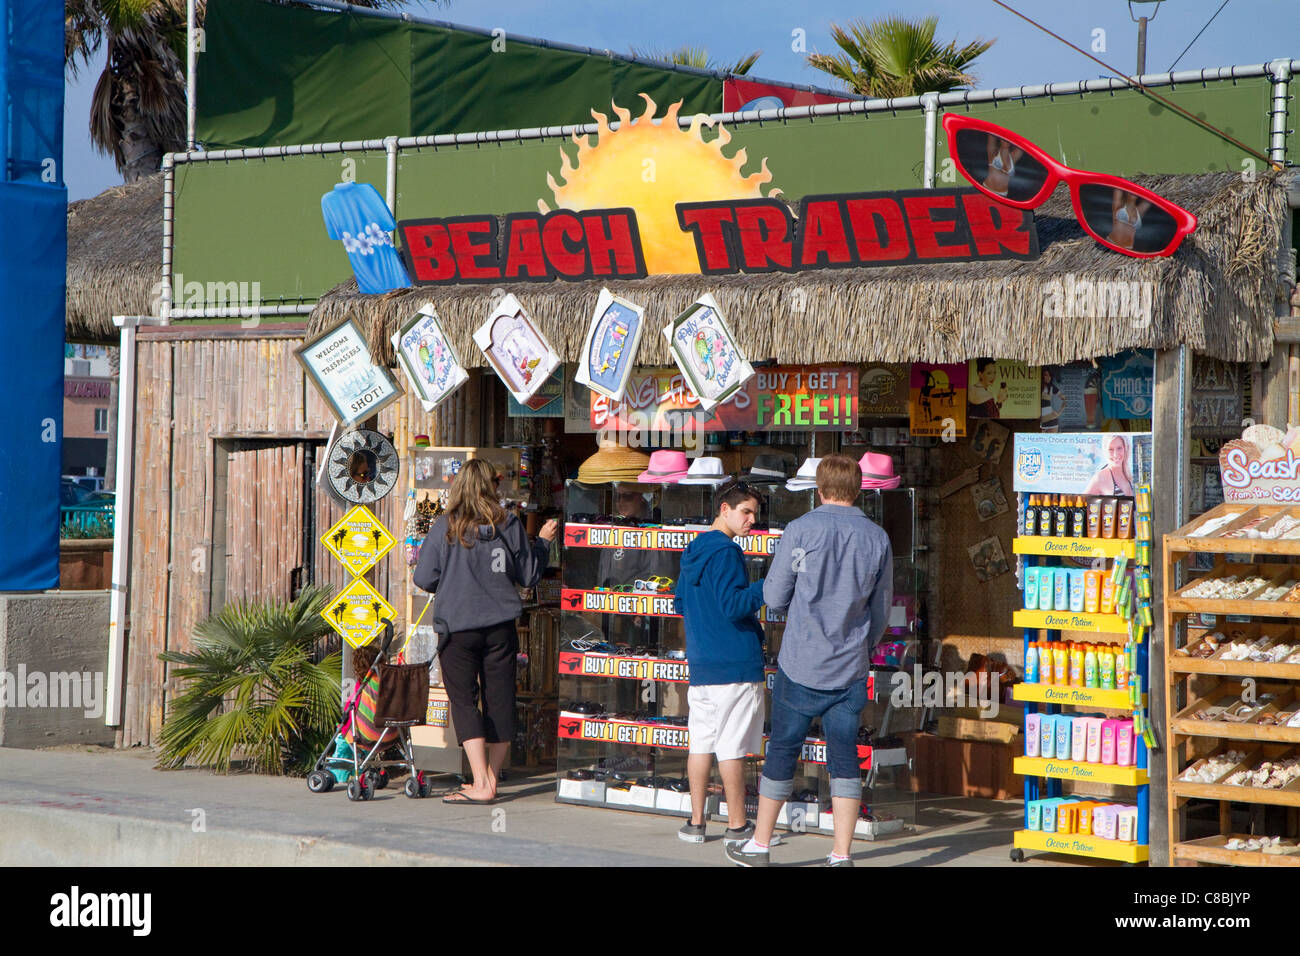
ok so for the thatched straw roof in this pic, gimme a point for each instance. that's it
(114, 257)
(1215, 294)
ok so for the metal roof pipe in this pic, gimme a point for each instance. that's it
(1278, 111)
(931, 103)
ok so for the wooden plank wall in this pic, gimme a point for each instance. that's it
(246, 387)
(150, 545)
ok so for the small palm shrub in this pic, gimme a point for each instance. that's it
(251, 691)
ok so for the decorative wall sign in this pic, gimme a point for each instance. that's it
(706, 352)
(339, 365)
(431, 364)
(1002, 388)
(1128, 385)
(1217, 396)
(610, 351)
(988, 559)
(362, 467)
(516, 349)
(358, 540)
(1263, 466)
(884, 389)
(937, 402)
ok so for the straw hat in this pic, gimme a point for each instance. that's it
(613, 462)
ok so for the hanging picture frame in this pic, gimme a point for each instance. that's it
(426, 354)
(610, 350)
(706, 353)
(516, 349)
(338, 363)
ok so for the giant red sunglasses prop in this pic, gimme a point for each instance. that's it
(1117, 213)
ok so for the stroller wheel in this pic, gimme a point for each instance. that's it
(426, 785)
(360, 788)
(320, 781)
(381, 782)
(413, 788)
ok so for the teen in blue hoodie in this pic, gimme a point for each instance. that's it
(724, 646)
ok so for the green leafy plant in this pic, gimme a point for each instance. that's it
(251, 690)
(894, 56)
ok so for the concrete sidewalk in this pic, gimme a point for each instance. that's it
(96, 807)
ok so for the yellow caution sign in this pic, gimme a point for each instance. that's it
(358, 540)
(357, 612)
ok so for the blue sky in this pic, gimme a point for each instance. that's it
(1247, 31)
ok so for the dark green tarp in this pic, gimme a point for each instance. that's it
(274, 76)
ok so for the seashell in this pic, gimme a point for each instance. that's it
(1269, 452)
(1250, 449)
(1263, 435)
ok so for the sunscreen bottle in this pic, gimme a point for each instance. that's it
(1076, 590)
(1060, 662)
(1091, 591)
(1107, 603)
(1121, 667)
(1076, 665)
(1064, 724)
(1106, 666)
(1047, 737)
(1031, 663)
(1046, 587)
(1032, 730)
(1078, 738)
(1031, 588)
(1061, 595)
(1090, 666)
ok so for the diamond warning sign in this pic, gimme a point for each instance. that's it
(357, 612)
(358, 540)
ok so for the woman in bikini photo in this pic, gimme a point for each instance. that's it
(1114, 477)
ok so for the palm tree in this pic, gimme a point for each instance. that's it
(896, 57)
(137, 112)
(698, 57)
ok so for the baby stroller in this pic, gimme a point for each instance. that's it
(389, 700)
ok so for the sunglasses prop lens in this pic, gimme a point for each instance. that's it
(999, 166)
(1126, 220)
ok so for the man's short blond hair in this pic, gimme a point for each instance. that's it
(839, 478)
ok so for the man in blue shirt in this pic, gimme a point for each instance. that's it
(724, 646)
(833, 570)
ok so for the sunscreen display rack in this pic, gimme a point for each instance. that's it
(1190, 738)
(1044, 776)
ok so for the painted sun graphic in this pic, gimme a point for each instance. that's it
(651, 166)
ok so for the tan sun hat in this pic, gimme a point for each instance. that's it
(613, 462)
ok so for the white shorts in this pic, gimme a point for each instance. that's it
(726, 719)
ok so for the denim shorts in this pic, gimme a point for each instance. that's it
(794, 707)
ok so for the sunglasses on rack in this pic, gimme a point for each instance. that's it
(1119, 214)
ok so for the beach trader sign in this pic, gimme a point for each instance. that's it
(733, 236)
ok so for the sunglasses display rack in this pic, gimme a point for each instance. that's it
(1233, 667)
(1100, 675)
(623, 675)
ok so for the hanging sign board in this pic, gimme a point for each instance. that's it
(431, 364)
(1002, 388)
(339, 365)
(358, 540)
(706, 352)
(778, 397)
(884, 389)
(516, 349)
(357, 612)
(610, 350)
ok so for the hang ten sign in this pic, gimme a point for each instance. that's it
(754, 235)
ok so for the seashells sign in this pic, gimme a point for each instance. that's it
(1262, 466)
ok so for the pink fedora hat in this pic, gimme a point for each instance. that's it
(878, 471)
(665, 468)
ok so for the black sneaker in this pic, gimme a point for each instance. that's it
(691, 832)
(738, 834)
(735, 852)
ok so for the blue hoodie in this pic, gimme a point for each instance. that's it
(720, 605)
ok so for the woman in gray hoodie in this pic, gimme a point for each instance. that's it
(475, 558)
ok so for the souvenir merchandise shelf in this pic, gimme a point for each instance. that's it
(1044, 776)
(1199, 683)
(627, 669)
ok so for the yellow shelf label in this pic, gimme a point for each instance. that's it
(1079, 696)
(1070, 621)
(1066, 770)
(1075, 547)
(1077, 844)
